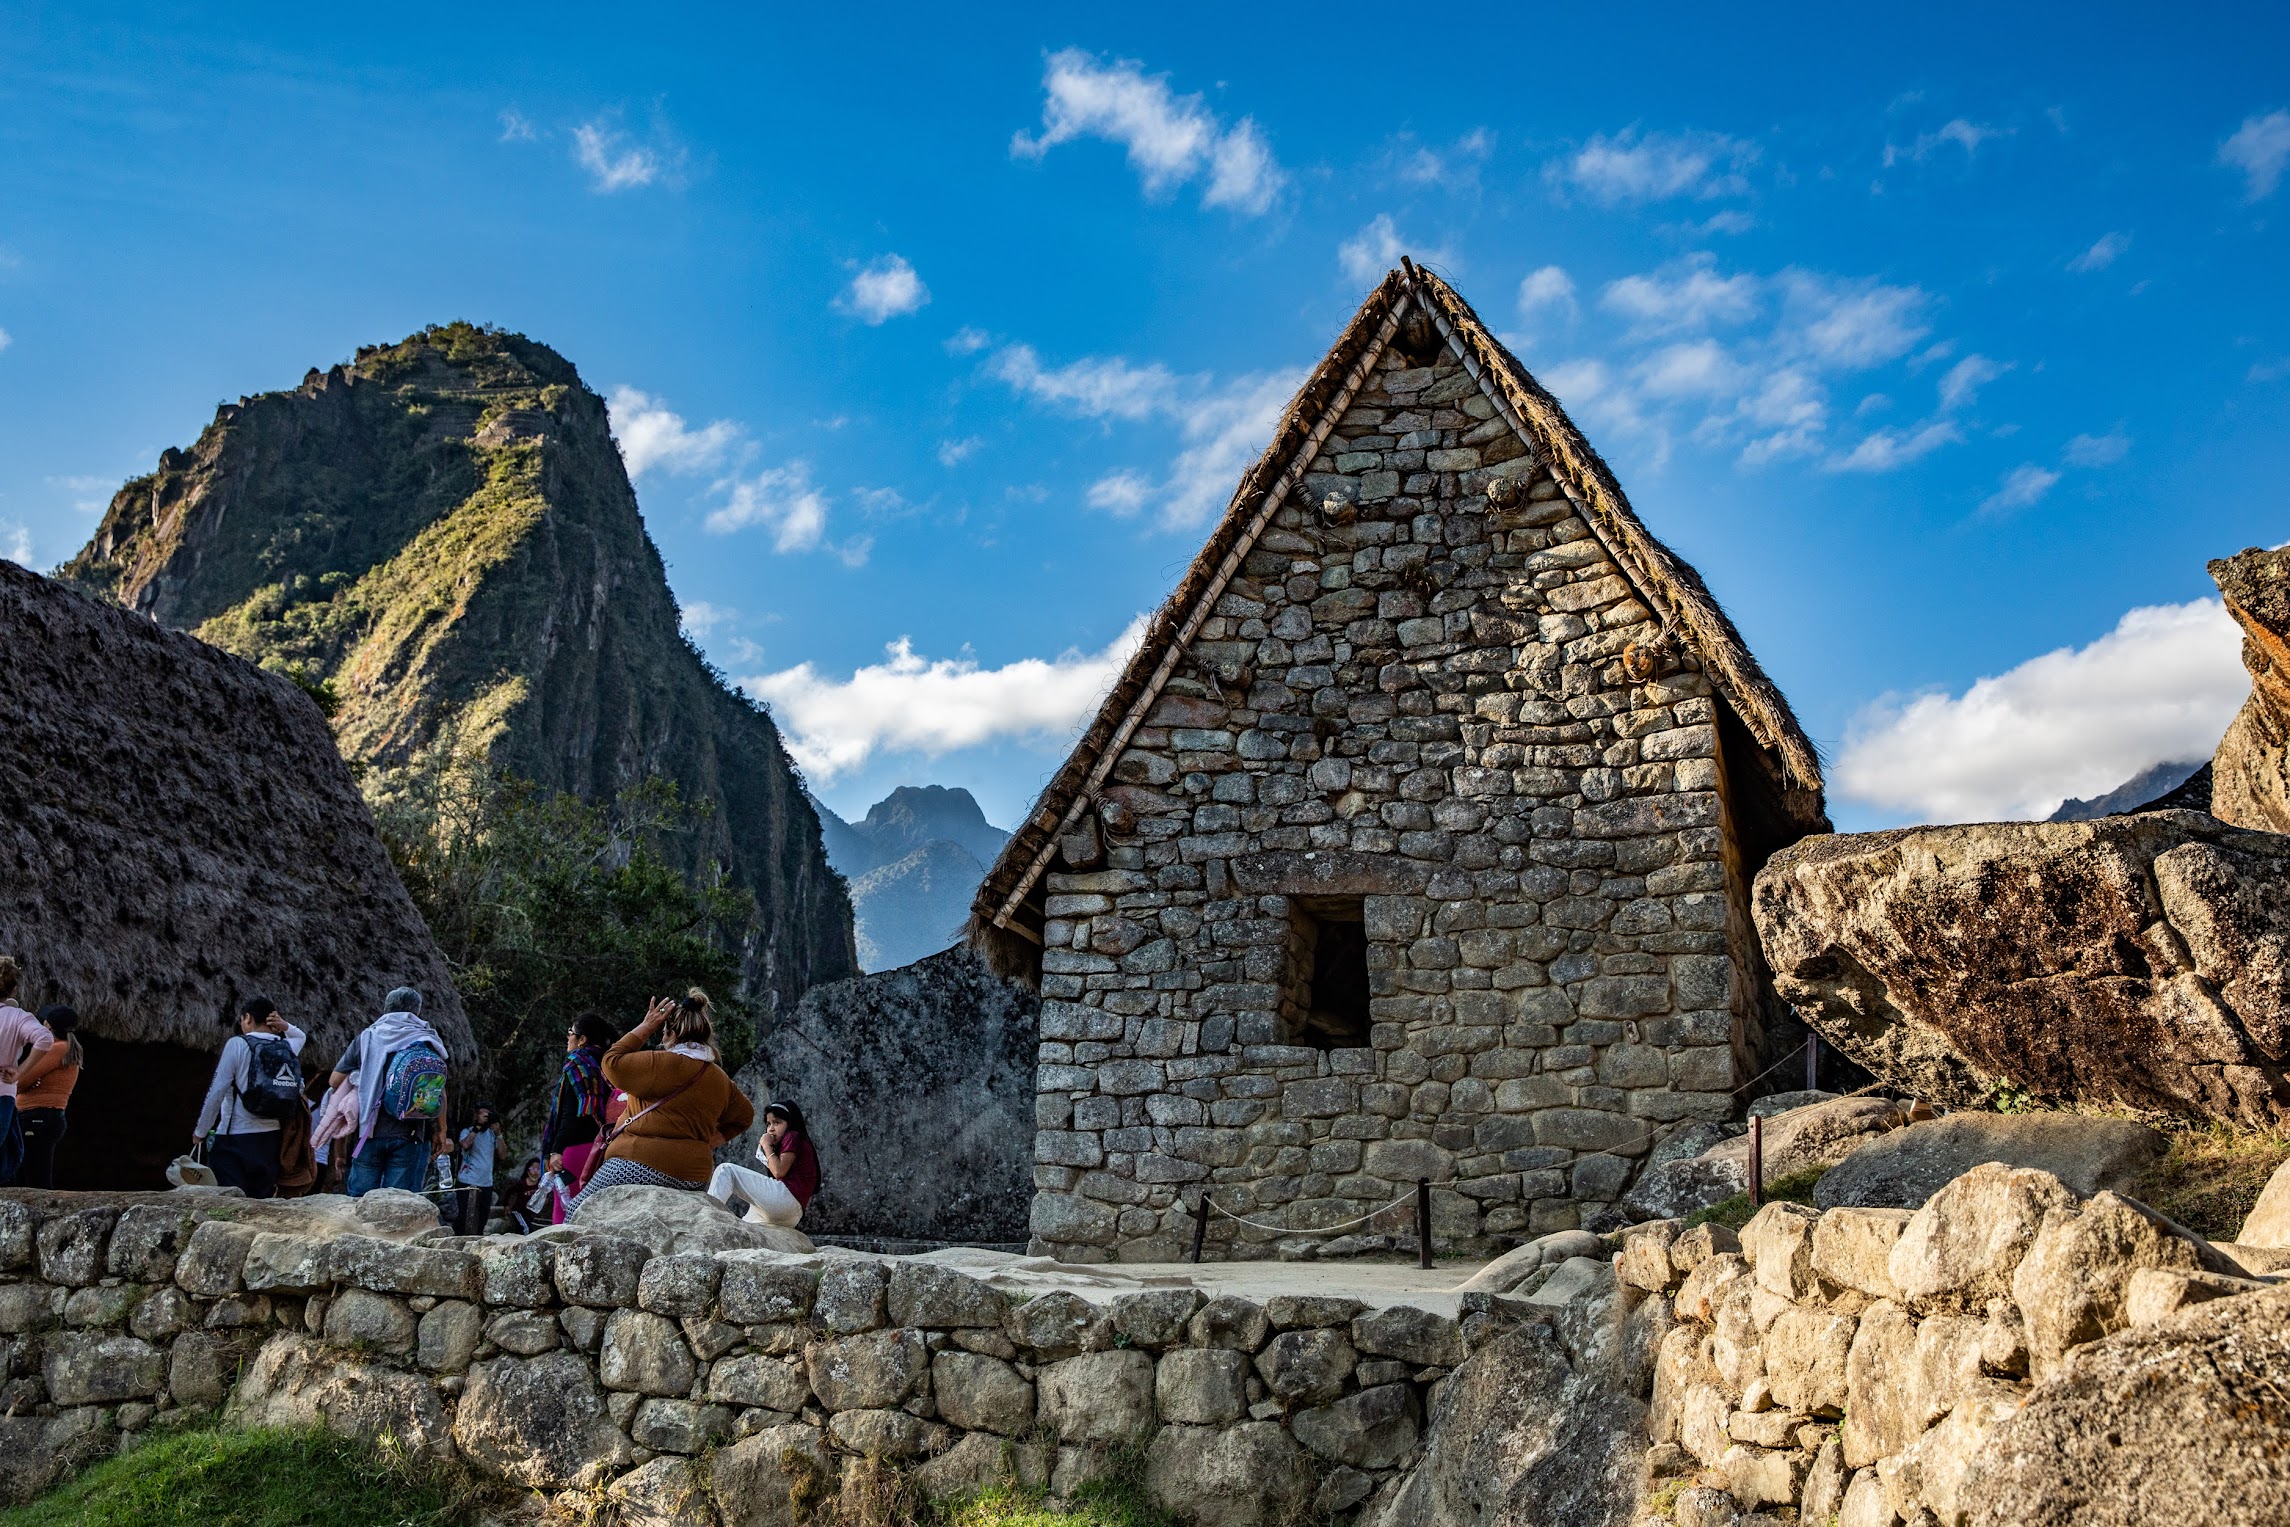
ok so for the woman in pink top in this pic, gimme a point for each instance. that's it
(25, 1046)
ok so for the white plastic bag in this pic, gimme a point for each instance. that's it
(190, 1172)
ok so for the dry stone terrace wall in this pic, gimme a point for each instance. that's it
(681, 1385)
(1413, 695)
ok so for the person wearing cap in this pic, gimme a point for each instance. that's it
(480, 1146)
(393, 1150)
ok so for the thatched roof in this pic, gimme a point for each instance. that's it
(1673, 590)
(177, 830)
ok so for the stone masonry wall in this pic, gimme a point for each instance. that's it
(1414, 692)
(694, 1387)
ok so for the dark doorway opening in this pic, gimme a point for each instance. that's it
(1326, 1001)
(131, 1113)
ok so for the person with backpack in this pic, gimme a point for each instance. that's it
(681, 1104)
(257, 1083)
(41, 1100)
(579, 1106)
(399, 1061)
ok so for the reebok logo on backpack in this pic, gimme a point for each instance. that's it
(273, 1087)
(413, 1085)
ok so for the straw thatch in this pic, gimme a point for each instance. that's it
(177, 830)
(1791, 790)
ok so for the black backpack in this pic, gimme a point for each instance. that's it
(273, 1087)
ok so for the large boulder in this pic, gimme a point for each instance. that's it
(2140, 960)
(1819, 1134)
(540, 1421)
(2181, 1421)
(1904, 1169)
(2268, 1223)
(2250, 772)
(1542, 1425)
(670, 1220)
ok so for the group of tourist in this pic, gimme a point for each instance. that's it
(646, 1108)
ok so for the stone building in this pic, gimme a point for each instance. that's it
(1415, 841)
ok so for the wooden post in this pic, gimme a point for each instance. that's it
(1200, 1224)
(1756, 1163)
(1812, 1062)
(1423, 1222)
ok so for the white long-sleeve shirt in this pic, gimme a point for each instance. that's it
(222, 1110)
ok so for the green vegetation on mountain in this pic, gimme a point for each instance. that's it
(439, 541)
(545, 906)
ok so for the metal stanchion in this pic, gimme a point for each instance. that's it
(1423, 1222)
(1200, 1225)
(1812, 1062)
(1756, 1163)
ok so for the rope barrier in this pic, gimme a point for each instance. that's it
(1321, 1230)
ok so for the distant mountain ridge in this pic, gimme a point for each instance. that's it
(442, 533)
(2141, 789)
(913, 862)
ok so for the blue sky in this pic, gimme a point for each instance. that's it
(1948, 345)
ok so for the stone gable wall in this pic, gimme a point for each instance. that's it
(1412, 694)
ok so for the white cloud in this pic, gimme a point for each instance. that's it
(1966, 135)
(1631, 168)
(517, 128)
(1455, 168)
(1960, 385)
(2260, 148)
(2023, 485)
(1700, 368)
(2103, 253)
(968, 341)
(1851, 324)
(1375, 249)
(6, 339)
(1685, 294)
(952, 453)
(1096, 387)
(701, 617)
(2269, 370)
(1888, 450)
(2097, 450)
(2076, 722)
(1171, 138)
(15, 543)
(884, 289)
(1224, 432)
(615, 164)
(1549, 287)
(781, 500)
(910, 703)
(653, 435)
(89, 495)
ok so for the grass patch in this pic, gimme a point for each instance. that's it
(1100, 1503)
(1735, 1212)
(2211, 1177)
(219, 1478)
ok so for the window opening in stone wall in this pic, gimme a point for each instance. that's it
(1325, 1000)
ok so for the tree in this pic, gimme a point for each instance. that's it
(545, 906)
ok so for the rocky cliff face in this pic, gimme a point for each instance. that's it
(2252, 765)
(443, 531)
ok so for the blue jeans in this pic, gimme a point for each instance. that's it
(397, 1162)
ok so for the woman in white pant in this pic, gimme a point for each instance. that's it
(780, 1194)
